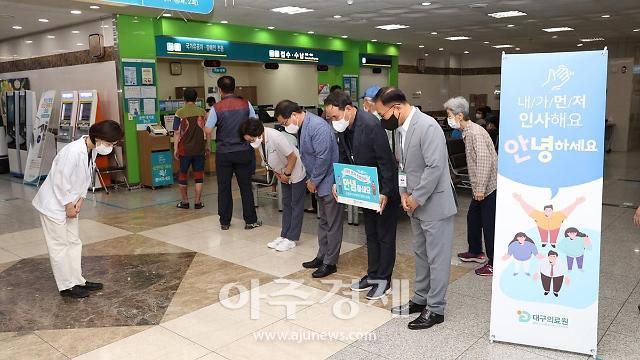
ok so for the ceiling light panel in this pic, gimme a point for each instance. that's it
(507, 14)
(457, 38)
(502, 46)
(392, 27)
(592, 39)
(291, 10)
(558, 29)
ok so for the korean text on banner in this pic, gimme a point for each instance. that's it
(548, 219)
(357, 185)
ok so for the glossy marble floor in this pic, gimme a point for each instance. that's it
(176, 287)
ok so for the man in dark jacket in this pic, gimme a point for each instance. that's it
(233, 154)
(362, 141)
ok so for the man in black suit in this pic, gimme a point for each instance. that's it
(362, 141)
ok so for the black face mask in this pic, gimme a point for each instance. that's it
(390, 124)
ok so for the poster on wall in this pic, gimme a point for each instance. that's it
(140, 92)
(37, 166)
(548, 219)
(350, 86)
(323, 93)
(357, 185)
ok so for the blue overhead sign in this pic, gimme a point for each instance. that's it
(190, 6)
(194, 48)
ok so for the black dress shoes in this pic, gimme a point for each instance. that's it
(91, 286)
(324, 271)
(426, 320)
(76, 292)
(313, 264)
(408, 308)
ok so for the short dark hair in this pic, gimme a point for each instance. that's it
(552, 253)
(252, 127)
(483, 110)
(190, 95)
(107, 130)
(211, 101)
(285, 108)
(334, 88)
(227, 84)
(339, 99)
(548, 207)
(390, 95)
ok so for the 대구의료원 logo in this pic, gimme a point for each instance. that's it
(542, 320)
(523, 316)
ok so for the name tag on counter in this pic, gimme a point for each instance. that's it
(402, 179)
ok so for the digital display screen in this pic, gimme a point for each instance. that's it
(85, 112)
(66, 111)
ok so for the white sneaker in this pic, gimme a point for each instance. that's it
(274, 243)
(286, 245)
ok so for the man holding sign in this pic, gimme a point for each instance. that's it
(362, 141)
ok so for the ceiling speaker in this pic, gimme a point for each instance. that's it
(271, 66)
(377, 70)
(323, 67)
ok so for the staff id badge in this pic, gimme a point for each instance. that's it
(402, 179)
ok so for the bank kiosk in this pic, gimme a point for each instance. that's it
(68, 118)
(88, 104)
(21, 108)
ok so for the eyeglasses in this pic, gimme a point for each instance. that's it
(389, 109)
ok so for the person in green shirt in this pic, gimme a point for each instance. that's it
(574, 245)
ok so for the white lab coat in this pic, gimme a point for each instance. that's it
(68, 180)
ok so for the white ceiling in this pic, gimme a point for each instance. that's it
(446, 17)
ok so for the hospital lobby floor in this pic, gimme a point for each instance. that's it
(177, 287)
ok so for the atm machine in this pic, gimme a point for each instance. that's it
(87, 112)
(21, 108)
(68, 118)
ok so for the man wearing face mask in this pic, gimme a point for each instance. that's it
(482, 162)
(367, 100)
(60, 200)
(318, 151)
(427, 195)
(279, 156)
(362, 141)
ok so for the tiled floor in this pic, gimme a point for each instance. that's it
(177, 287)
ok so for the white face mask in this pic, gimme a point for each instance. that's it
(103, 149)
(340, 125)
(256, 143)
(292, 128)
(452, 123)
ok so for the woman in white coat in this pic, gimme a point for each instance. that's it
(60, 199)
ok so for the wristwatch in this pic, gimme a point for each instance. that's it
(287, 175)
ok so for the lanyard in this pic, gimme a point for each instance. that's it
(400, 142)
(264, 155)
(347, 148)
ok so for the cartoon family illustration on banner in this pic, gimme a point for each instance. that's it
(548, 264)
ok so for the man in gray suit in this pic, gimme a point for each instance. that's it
(427, 196)
(318, 152)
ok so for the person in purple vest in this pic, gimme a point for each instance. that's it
(233, 154)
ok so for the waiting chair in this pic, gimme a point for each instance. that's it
(458, 163)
